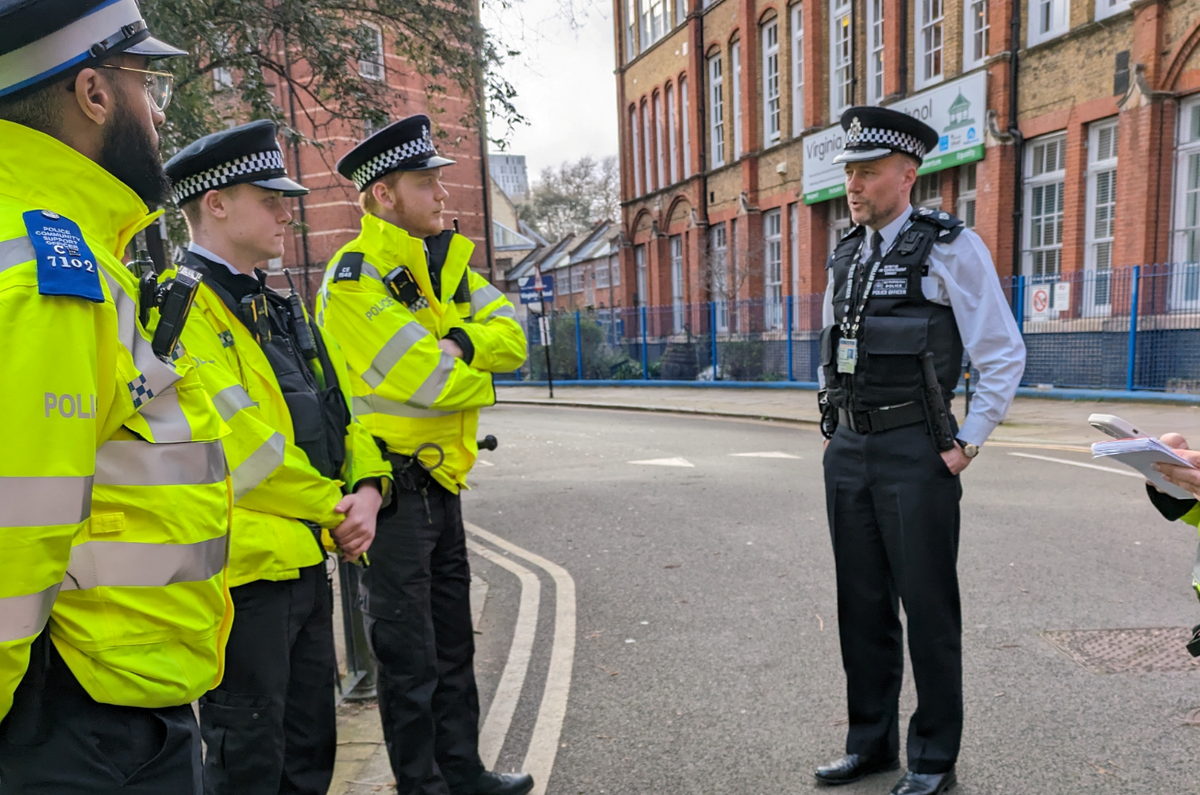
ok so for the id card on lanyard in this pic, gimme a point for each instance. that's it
(847, 355)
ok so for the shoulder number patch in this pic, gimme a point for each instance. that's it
(349, 267)
(65, 264)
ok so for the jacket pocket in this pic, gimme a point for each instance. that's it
(890, 356)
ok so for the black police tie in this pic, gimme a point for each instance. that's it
(876, 247)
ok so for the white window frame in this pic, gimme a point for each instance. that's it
(1185, 232)
(681, 11)
(672, 146)
(577, 280)
(639, 267)
(686, 125)
(373, 68)
(930, 38)
(660, 133)
(636, 160)
(735, 57)
(716, 105)
(841, 64)
(773, 269)
(977, 28)
(615, 266)
(718, 255)
(1108, 8)
(648, 145)
(797, 69)
(968, 185)
(1032, 256)
(631, 29)
(676, 242)
(927, 191)
(1099, 231)
(875, 53)
(839, 221)
(1047, 19)
(772, 124)
(602, 271)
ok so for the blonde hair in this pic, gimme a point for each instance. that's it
(367, 200)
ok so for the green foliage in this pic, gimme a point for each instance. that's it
(599, 360)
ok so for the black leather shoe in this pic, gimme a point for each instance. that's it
(852, 767)
(925, 783)
(500, 784)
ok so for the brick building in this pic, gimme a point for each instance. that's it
(1073, 153)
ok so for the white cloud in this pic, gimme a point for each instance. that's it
(564, 78)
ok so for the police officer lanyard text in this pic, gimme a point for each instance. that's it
(847, 352)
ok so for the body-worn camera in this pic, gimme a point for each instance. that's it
(174, 299)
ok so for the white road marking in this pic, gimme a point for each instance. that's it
(1081, 464)
(479, 462)
(772, 454)
(665, 462)
(543, 745)
(512, 680)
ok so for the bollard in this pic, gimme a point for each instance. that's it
(359, 682)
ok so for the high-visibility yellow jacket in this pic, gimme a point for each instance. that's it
(275, 486)
(406, 390)
(114, 498)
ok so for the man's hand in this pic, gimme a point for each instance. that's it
(451, 347)
(1182, 477)
(356, 532)
(956, 460)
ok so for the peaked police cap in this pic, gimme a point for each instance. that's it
(246, 154)
(873, 133)
(406, 145)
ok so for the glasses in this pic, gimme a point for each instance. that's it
(158, 85)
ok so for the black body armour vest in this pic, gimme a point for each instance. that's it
(307, 378)
(899, 324)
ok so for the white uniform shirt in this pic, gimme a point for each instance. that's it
(962, 277)
(196, 248)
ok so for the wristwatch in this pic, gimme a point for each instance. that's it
(969, 450)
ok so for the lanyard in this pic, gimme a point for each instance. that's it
(850, 323)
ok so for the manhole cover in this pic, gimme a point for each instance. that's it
(1115, 651)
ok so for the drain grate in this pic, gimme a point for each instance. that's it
(1116, 651)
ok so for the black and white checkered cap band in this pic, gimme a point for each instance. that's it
(261, 165)
(891, 139)
(390, 160)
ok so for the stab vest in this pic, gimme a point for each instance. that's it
(899, 323)
(310, 388)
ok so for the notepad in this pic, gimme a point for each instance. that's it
(1142, 454)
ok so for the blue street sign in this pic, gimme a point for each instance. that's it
(529, 295)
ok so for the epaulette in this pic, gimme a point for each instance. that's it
(349, 267)
(855, 231)
(949, 226)
(66, 265)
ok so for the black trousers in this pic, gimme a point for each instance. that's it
(57, 740)
(271, 725)
(894, 519)
(416, 600)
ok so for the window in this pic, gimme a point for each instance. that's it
(647, 160)
(653, 21)
(1045, 174)
(975, 43)
(659, 130)
(577, 279)
(639, 261)
(841, 75)
(839, 221)
(673, 149)
(966, 194)
(1047, 19)
(927, 192)
(1101, 210)
(687, 138)
(681, 11)
(631, 38)
(930, 15)
(717, 105)
(370, 62)
(717, 273)
(635, 160)
(616, 270)
(773, 269)
(735, 56)
(602, 268)
(1185, 280)
(677, 284)
(770, 48)
(1106, 8)
(794, 248)
(797, 69)
(874, 51)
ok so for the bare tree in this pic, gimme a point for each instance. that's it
(573, 197)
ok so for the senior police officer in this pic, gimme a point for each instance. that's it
(282, 387)
(908, 291)
(422, 334)
(113, 489)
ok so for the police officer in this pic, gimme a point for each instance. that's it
(113, 491)
(908, 291)
(422, 334)
(282, 387)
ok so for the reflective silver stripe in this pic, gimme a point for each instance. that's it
(24, 616)
(128, 563)
(428, 392)
(44, 502)
(231, 400)
(373, 404)
(159, 375)
(401, 343)
(371, 271)
(17, 251)
(505, 311)
(258, 466)
(165, 417)
(137, 463)
(484, 296)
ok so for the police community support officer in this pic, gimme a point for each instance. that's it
(282, 387)
(908, 291)
(422, 335)
(113, 491)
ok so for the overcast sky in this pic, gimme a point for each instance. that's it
(564, 78)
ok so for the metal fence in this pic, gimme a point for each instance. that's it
(1126, 328)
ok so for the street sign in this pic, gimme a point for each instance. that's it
(544, 328)
(1062, 296)
(1039, 300)
(530, 294)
